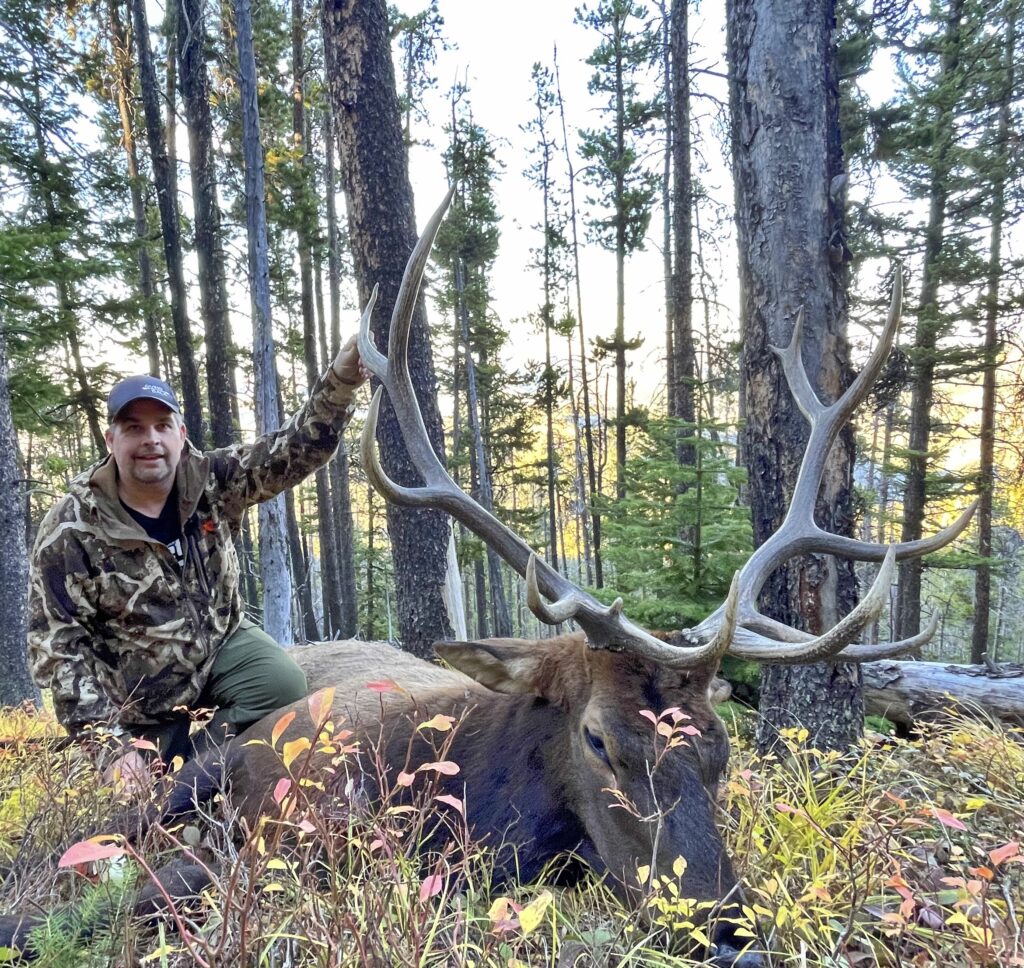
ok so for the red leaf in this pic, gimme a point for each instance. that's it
(946, 818)
(405, 779)
(647, 714)
(432, 884)
(86, 851)
(144, 744)
(1002, 854)
(383, 685)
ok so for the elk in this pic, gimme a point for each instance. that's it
(552, 733)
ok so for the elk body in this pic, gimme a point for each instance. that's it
(554, 738)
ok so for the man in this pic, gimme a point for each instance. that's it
(135, 616)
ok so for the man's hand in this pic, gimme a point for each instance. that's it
(131, 772)
(348, 367)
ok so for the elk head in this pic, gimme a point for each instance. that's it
(660, 805)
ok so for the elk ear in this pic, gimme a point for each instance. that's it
(512, 666)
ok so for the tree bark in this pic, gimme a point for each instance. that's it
(908, 621)
(170, 225)
(16, 684)
(588, 430)
(683, 368)
(123, 92)
(273, 540)
(986, 469)
(382, 232)
(786, 150)
(906, 692)
(213, 296)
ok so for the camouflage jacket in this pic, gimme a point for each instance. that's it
(117, 631)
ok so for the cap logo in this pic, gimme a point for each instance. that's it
(153, 388)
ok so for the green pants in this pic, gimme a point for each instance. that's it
(251, 677)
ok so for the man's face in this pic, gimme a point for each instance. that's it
(146, 441)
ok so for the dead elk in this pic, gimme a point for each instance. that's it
(556, 750)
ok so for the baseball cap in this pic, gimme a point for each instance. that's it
(140, 388)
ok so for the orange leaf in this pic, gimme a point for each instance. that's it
(445, 767)
(280, 726)
(440, 722)
(320, 705)
(86, 851)
(144, 744)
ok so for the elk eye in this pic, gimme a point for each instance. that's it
(597, 745)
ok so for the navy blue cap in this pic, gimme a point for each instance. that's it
(140, 388)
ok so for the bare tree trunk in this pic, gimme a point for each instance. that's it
(339, 467)
(485, 494)
(16, 684)
(277, 584)
(382, 234)
(681, 305)
(588, 429)
(986, 470)
(783, 168)
(123, 85)
(213, 296)
(925, 339)
(167, 201)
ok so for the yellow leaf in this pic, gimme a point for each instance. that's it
(975, 803)
(533, 914)
(643, 872)
(679, 866)
(294, 749)
(440, 722)
(276, 864)
(280, 726)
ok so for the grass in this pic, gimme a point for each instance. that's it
(899, 853)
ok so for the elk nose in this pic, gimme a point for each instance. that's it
(728, 950)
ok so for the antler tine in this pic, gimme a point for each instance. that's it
(606, 626)
(837, 638)
(372, 358)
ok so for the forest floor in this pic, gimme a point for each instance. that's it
(902, 853)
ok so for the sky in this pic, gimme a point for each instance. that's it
(493, 51)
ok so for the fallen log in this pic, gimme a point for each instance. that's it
(903, 691)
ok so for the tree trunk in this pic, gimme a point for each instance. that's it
(986, 469)
(277, 585)
(485, 494)
(123, 93)
(681, 305)
(588, 429)
(905, 692)
(382, 232)
(305, 213)
(786, 150)
(926, 336)
(167, 202)
(213, 297)
(16, 684)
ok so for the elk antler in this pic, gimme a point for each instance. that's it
(736, 626)
(763, 639)
(605, 625)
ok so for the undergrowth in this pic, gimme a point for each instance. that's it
(900, 853)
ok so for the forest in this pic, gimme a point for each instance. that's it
(648, 200)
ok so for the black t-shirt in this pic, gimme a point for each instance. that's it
(166, 528)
